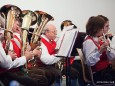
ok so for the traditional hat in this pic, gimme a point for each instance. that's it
(67, 23)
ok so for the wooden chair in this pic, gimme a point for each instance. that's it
(89, 76)
(87, 73)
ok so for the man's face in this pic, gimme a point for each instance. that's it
(51, 33)
(16, 27)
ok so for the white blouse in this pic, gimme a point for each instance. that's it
(92, 54)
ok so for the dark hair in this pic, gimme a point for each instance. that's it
(105, 18)
(64, 23)
(94, 25)
(67, 23)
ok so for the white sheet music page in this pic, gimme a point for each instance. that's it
(67, 43)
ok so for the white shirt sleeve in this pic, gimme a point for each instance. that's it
(111, 53)
(17, 62)
(91, 52)
(6, 60)
(46, 58)
(112, 43)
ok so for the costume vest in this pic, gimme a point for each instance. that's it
(51, 49)
(103, 63)
(16, 49)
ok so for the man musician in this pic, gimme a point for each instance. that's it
(11, 63)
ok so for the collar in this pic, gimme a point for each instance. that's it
(17, 34)
(95, 39)
(43, 36)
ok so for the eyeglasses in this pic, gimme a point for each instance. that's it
(54, 32)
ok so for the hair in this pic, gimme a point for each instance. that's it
(105, 18)
(19, 20)
(66, 23)
(94, 25)
(45, 29)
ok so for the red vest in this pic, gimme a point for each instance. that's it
(16, 49)
(103, 63)
(51, 49)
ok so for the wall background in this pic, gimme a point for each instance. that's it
(76, 10)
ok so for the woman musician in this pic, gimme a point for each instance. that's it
(98, 55)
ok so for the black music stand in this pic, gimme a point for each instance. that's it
(78, 44)
(67, 49)
(68, 78)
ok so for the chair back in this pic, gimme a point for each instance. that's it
(87, 72)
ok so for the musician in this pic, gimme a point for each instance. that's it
(76, 69)
(6, 63)
(16, 45)
(48, 58)
(98, 54)
(107, 32)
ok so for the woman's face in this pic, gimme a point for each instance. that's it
(100, 33)
(106, 27)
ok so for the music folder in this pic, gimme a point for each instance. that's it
(67, 43)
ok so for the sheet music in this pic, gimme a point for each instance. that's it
(67, 43)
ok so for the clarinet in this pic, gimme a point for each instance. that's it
(108, 47)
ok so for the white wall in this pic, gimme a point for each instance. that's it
(76, 10)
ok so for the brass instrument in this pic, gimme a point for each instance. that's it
(42, 19)
(29, 18)
(10, 13)
(2, 20)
